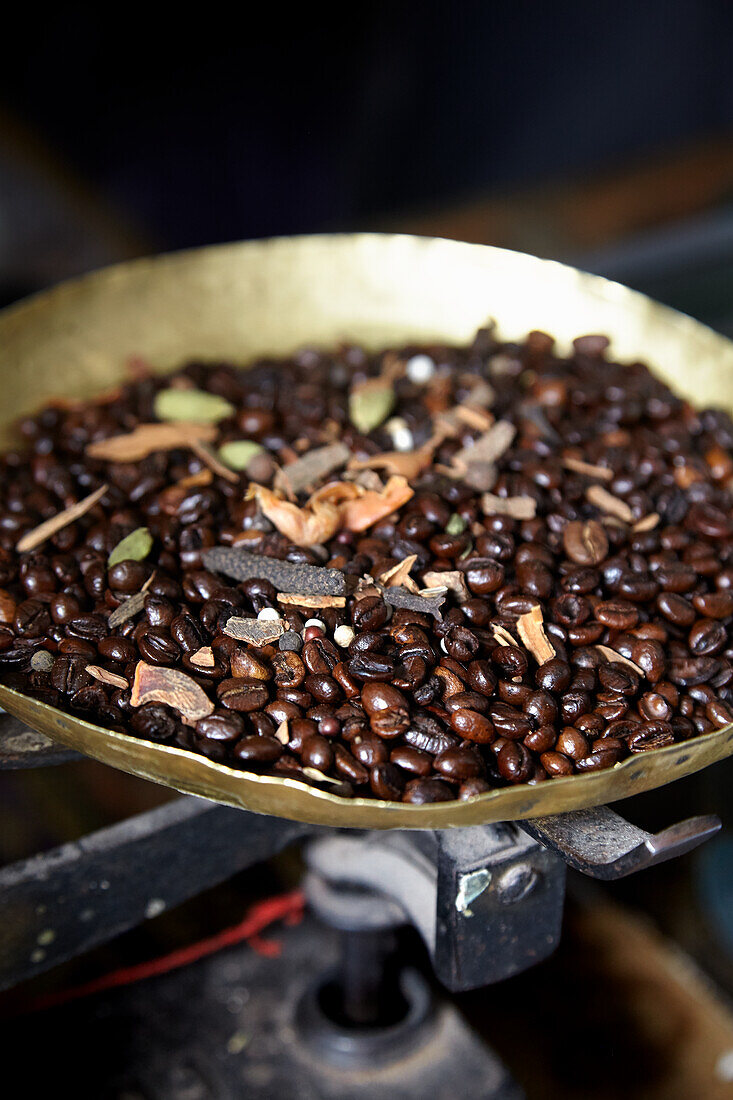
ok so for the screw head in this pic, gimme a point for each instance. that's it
(516, 883)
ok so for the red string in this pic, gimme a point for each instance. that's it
(286, 907)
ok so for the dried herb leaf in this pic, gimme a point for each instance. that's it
(370, 404)
(307, 471)
(613, 655)
(517, 507)
(532, 632)
(147, 439)
(133, 547)
(49, 527)
(155, 684)
(607, 502)
(238, 453)
(302, 599)
(193, 405)
(286, 576)
(105, 677)
(257, 632)
(579, 467)
(132, 606)
(456, 525)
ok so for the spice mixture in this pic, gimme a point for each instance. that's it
(418, 575)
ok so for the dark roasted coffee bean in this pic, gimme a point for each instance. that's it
(481, 677)
(459, 763)
(555, 763)
(372, 666)
(411, 760)
(514, 762)
(554, 675)
(471, 788)
(220, 727)
(585, 542)
(421, 791)
(242, 695)
(348, 767)
(258, 750)
(387, 781)
(708, 636)
(617, 614)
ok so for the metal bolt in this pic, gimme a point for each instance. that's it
(516, 883)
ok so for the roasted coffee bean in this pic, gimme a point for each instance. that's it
(713, 605)
(348, 767)
(459, 763)
(386, 781)
(617, 614)
(509, 722)
(555, 763)
(421, 791)
(372, 667)
(572, 743)
(411, 760)
(472, 788)
(514, 762)
(676, 609)
(481, 677)
(554, 675)
(708, 636)
(32, 619)
(317, 753)
(370, 750)
(258, 750)
(242, 695)
(651, 735)
(585, 542)
(220, 727)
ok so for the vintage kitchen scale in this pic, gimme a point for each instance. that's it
(482, 881)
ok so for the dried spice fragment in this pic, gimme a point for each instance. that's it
(502, 635)
(147, 439)
(414, 601)
(489, 447)
(286, 576)
(156, 684)
(49, 527)
(195, 406)
(209, 458)
(283, 732)
(133, 547)
(399, 574)
(517, 507)
(305, 472)
(130, 607)
(42, 660)
(608, 503)
(258, 632)
(579, 467)
(613, 655)
(407, 464)
(105, 677)
(315, 523)
(203, 658)
(532, 632)
(366, 510)
(452, 579)
(646, 523)
(302, 599)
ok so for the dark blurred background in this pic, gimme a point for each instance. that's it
(598, 133)
(601, 133)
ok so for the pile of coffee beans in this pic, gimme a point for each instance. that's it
(550, 591)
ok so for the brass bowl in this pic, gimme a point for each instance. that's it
(243, 300)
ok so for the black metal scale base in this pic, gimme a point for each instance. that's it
(236, 1026)
(320, 1022)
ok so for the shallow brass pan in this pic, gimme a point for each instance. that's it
(244, 300)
